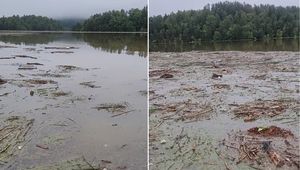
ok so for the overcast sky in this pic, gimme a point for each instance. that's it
(65, 8)
(158, 7)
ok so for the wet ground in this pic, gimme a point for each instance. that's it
(73, 101)
(224, 110)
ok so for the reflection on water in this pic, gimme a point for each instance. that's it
(271, 45)
(113, 43)
(116, 43)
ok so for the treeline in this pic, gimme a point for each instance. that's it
(29, 22)
(134, 20)
(226, 21)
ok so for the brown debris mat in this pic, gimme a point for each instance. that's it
(272, 131)
(268, 148)
(257, 109)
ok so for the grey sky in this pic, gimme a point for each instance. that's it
(158, 7)
(65, 8)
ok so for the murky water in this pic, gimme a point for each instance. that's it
(270, 45)
(192, 113)
(68, 126)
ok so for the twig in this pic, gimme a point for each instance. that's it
(119, 114)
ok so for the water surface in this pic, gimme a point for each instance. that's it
(69, 125)
(271, 45)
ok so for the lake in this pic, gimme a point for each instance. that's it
(271, 45)
(86, 95)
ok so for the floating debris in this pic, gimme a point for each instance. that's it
(60, 93)
(254, 110)
(27, 67)
(7, 58)
(2, 81)
(216, 76)
(117, 109)
(50, 75)
(37, 64)
(260, 77)
(61, 48)
(42, 146)
(39, 81)
(13, 131)
(29, 49)
(143, 92)
(272, 131)
(62, 52)
(7, 93)
(221, 86)
(90, 84)
(262, 148)
(161, 72)
(7, 46)
(186, 111)
(68, 68)
(25, 56)
(167, 76)
(112, 107)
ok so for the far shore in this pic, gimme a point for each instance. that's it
(73, 32)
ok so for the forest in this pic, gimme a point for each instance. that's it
(226, 21)
(29, 22)
(134, 20)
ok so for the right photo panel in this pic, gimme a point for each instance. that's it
(224, 84)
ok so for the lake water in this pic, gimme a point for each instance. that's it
(109, 69)
(271, 45)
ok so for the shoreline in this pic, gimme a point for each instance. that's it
(73, 32)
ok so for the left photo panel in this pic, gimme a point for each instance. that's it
(73, 84)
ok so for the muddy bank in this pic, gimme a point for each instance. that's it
(224, 110)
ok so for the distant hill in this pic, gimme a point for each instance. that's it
(226, 21)
(29, 22)
(134, 20)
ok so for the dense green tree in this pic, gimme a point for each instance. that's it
(226, 21)
(28, 22)
(134, 20)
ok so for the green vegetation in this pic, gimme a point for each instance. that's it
(226, 21)
(134, 20)
(29, 22)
